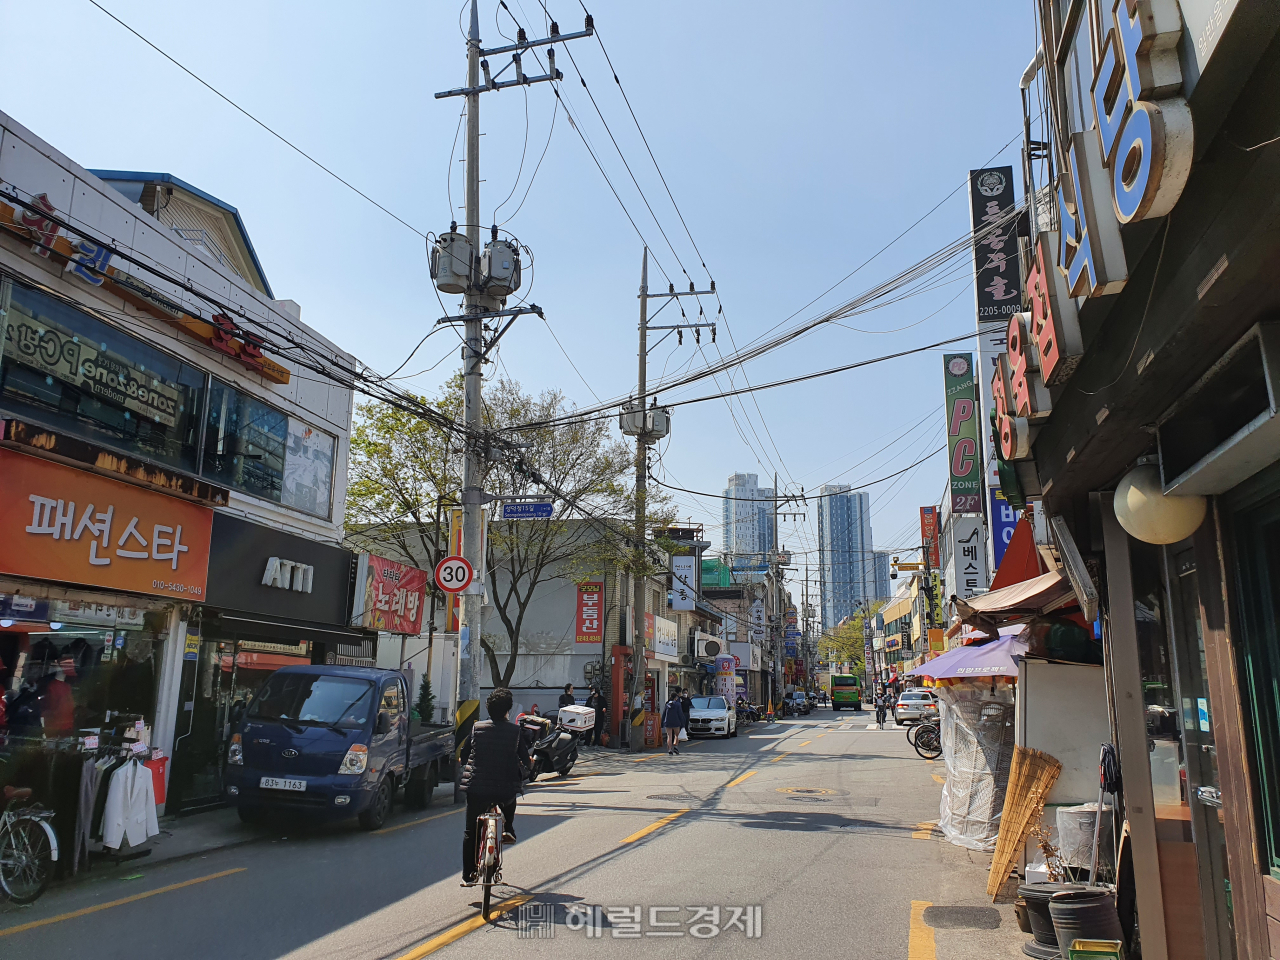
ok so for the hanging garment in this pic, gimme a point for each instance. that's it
(131, 807)
(89, 776)
(106, 767)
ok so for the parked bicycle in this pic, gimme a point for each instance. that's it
(927, 739)
(28, 847)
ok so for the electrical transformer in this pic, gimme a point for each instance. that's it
(500, 268)
(451, 260)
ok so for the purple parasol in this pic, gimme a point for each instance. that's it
(996, 659)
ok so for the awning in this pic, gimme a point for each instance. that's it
(1019, 601)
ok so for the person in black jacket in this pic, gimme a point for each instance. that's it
(495, 762)
(567, 698)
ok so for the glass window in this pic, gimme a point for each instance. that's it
(244, 443)
(312, 698)
(76, 374)
(391, 700)
(253, 447)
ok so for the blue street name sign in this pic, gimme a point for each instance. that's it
(527, 511)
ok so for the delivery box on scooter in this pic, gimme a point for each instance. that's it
(577, 718)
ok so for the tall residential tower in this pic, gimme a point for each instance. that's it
(850, 569)
(748, 525)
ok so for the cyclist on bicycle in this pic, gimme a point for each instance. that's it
(495, 761)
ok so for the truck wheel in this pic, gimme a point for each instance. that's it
(379, 809)
(421, 785)
(249, 814)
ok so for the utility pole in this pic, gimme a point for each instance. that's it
(457, 267)
(647, 425)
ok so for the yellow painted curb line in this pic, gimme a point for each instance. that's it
(920, 943)
(925, 830)
(641, 834)
(748, 774)
(414, 823)
(780, 756)
(5, 931)
(462, 929)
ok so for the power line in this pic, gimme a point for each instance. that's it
(298, 150)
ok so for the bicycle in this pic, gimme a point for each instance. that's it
(928, 740)
(28, 847)
(489, 855)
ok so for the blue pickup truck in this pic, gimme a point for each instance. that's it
(333, 742)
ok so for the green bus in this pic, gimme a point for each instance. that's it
(846, 691)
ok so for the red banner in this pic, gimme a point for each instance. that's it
(590, 615)
(394, 595)
(929, 535)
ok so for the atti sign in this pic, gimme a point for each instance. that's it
(962, 433)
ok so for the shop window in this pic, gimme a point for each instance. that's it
(76, 374)
(253, 447)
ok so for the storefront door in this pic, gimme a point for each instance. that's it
(200, 745)
(1201, 795)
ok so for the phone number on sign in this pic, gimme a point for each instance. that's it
(177, 587)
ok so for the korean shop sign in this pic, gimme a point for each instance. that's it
(59, 523)
(1136, 160)
(590, 613)
(60, 353)
(996, 276)
(389, 596)
(962, 433)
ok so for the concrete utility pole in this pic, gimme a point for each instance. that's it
(639, 654)
(471, 613)
(483, 302)
(647, 425)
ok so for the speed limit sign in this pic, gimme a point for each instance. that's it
(453, 574)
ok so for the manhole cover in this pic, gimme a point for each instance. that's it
(799, 799)
(807, 791)
(675, 797)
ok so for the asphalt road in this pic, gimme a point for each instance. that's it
(816, 829)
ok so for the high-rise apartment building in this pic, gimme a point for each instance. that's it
(850, 570)
(747, 525)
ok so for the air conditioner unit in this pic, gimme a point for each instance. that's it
(709, 647)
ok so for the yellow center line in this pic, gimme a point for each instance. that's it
(780, 756)
(806, 743)
(462, 929)
(937, 778)
(924, 831)
(5, 931)
(641, 834)
(414, 823)
(643, 759)
(920, 943)
(819, 736)
(748, 774)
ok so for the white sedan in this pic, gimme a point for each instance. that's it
(712, 716)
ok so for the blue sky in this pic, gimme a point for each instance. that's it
(796, 138)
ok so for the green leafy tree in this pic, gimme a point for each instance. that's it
(846, 643)
(401, 466)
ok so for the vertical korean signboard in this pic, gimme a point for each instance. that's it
(929, 535)
(683, 591)
(590, 613)
(965, 458)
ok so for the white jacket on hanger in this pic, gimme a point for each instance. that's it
(130, 810)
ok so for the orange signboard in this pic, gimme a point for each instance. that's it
(59, 523)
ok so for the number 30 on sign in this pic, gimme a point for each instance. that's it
(453, 574)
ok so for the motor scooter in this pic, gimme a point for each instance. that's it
(552, 748)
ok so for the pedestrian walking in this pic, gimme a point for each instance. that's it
(686, 703)
(673, 721)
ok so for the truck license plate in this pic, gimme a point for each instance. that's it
(274, 783)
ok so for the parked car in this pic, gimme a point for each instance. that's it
(332, 742)
(712, 716)
(799, 702)
(915, 705)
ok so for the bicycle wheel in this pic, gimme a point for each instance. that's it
(929, 743)
(911, 733)
(26, 859)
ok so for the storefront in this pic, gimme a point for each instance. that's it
(273, 599)
(1137, 401)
